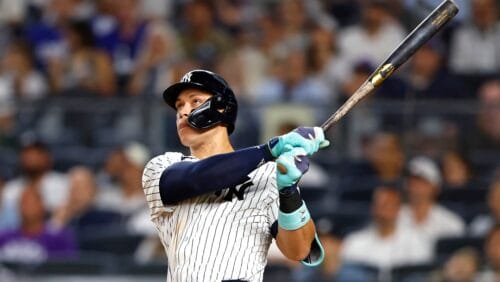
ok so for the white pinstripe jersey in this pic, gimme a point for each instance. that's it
(217, 236)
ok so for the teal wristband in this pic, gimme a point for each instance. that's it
(295, 219)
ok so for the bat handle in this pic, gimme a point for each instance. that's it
(282, 169)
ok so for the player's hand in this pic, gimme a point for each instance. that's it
(296, 163)
(311, 139)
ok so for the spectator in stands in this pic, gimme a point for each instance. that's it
(294, 83)
(428, 77)
(34, 241)
(462, 266)
(108, 176)
(483, 223)
(457, 170)
(45, 34)
(36, 171)
(423, 214)
(326, 62)
(200, 39)
(293, 19)
(385, 162)
(486, 137)
(479, 36)
(124, 41)
(85, 67)
(80, 200)
(492, 252)
(19, 79)
(155, 65)
(128, 199)
(385, 243)
(374, 38)
(8, 215)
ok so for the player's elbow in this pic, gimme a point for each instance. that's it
(298, 253)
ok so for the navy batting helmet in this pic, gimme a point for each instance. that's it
(209, 113)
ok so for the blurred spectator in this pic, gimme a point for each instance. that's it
(128, 199)
(19, 80)
(200, 39)
(462, 266)
(13, 12)
(36, 171)
(154, 71)
(86, 68)
(81, 198)
(479, 36)
(374, 38)
(483, 223)
(423, 214)
(385, 243)
(157, 9)
(486, 136)
(8, 215)
(427, 75)
(457, 170)
(294, 83)
(45, 34)
(293, 18)
(124, 41)
(34, 241)
(492, 252)
(113, 167)
(384, 163)
(326, 63)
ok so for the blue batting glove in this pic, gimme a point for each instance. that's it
(311, 139)
(296, 164)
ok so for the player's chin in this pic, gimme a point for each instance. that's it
(187, 136)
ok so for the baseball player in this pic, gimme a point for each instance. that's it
(217, 210)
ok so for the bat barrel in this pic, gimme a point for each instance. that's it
(418, 37)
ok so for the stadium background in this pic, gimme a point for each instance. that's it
(83, 78)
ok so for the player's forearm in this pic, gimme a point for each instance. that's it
(184, 180)
(296, 244)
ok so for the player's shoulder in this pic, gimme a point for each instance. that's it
(166, 159)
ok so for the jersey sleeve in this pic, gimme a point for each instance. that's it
(151, 180)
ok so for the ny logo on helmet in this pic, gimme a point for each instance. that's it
(186, 77)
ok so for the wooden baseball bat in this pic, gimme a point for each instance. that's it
(418, 37)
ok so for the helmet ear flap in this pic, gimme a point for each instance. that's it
(219, 102)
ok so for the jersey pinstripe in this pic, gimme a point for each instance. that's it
(217, 236)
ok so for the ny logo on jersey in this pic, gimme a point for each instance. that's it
(234, 191)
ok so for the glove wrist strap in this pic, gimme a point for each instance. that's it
(294, 220)
(290, 199)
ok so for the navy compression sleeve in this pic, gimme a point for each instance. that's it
(184, 180)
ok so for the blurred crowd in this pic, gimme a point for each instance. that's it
(397, 191)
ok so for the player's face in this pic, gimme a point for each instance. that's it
(187, 101)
